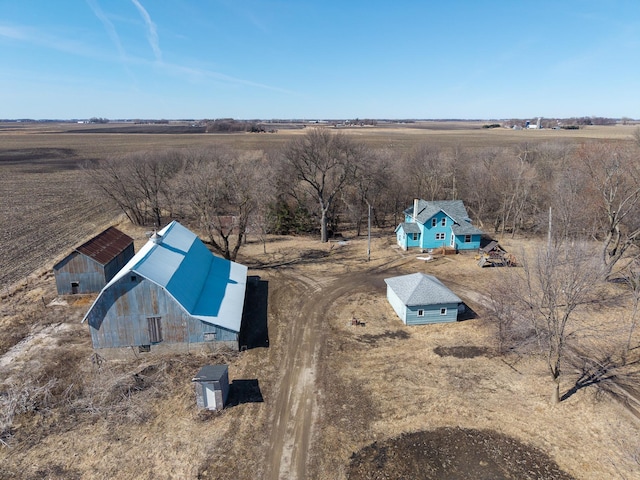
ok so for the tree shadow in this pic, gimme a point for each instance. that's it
(254, 330)
(244, 391)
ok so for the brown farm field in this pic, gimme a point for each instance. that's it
(325, 399)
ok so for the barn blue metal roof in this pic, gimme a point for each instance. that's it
(207, 287)
(421, 289)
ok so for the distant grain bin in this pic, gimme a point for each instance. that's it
(212, 386)
(91, 265)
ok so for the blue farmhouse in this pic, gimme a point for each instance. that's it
(437, 224)
(419, 299)
(174, 294)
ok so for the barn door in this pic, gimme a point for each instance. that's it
(155, 329)
(75, 287)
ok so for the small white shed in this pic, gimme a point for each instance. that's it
(212, 386)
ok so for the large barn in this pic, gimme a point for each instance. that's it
(174, 294)
(419, 299)
(91, 265)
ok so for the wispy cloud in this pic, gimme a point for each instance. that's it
(152, 32)
(108, 26)
(40, 38)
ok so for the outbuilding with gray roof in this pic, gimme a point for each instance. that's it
(419, 299)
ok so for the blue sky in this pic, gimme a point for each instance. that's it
(310, 59)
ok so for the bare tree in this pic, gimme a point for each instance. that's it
(138, 183)
(220, 188)
(615, 177)
(428, 172)
(324, 163)
(544, 298)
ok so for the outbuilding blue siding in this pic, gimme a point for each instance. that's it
(420, 299)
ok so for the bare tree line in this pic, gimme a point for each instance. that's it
(324, 180)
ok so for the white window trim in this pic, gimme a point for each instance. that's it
(443, 311)
(440, 236)
(421, 313)
(444, 221)
(434, 221)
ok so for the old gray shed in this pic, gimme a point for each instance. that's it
(212, 386)
(91, 265)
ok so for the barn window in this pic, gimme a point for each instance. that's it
(421, 313)
(75, 286)
(134, 278)
(144, 348)
(443, 311)
(434, 222)
(444, 222)
(467, 238)
(439, 236)
(209, 336)
(155, 329)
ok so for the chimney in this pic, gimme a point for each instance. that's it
(155, 238)
(415, 209)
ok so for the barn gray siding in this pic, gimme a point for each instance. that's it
(120, 317)
(89, 274)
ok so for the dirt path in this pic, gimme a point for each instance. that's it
(296, 404)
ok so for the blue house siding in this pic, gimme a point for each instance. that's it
(431, 314)
(473, 244)
(120, 319)
(441, 223)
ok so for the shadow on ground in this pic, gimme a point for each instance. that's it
(244, 391)
(254, 330)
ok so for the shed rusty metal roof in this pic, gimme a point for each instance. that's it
(106, 246)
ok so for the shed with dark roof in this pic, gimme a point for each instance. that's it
(89, 267)
(419, 298)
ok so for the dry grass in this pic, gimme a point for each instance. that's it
(138, 420)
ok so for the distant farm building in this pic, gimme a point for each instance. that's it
(174, 294)
(420, 299)
(91, 265)
(439, 224)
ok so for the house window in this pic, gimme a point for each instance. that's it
(443, 311)
(439, 236)
(414, 236)
(155, 329)
(434, 222)
(210, 336)
(421, 313)
(467, 238)
(444, 221)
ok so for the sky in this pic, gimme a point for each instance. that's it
(270, 59)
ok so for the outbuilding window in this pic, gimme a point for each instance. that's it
(421, 313)
(467, 238)
(209, 336)
(443, 311)
(414, 236)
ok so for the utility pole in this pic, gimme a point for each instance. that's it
(369, 233)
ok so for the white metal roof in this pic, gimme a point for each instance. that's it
(207, 287)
